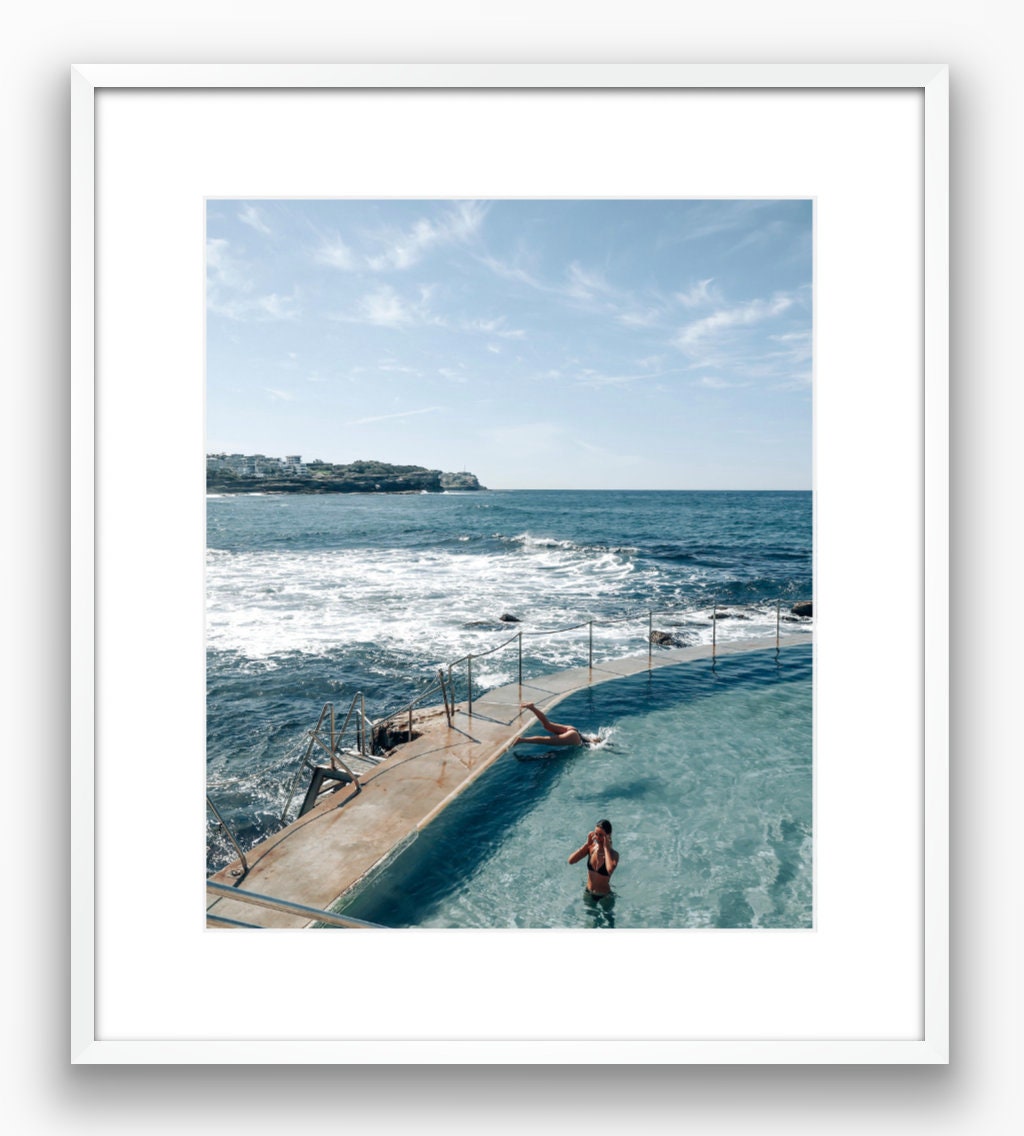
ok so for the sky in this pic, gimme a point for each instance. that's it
(563, 344)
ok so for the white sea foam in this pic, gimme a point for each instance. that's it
(438, 606)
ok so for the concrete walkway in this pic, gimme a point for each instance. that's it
(350, 834)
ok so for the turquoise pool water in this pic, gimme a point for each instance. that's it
(706, 774)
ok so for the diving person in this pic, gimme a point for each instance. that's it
(558, 733)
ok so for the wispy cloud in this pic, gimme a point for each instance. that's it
(709, 327)
(513, 272)
(386, 307)
(495, 327)
(597, 379)
(398, 414)
(710, 219)
(584, 284)
(336, 254)
(645, 318)
(251, 216)
(230, 291)
(395, 250)
(698, 295)
(393, 367)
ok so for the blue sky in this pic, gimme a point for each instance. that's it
(591, 344)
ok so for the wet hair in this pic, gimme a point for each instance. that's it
(606, 825)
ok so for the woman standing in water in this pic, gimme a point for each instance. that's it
(602, 859)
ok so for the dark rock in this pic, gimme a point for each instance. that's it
(722, 613)
(506, 618)
(665, 639)
(803, 609)
(386, 736)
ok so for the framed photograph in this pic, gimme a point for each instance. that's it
(725, 283)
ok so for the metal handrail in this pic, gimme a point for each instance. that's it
(364, 725)
(331, 749)
(230, 835)
(286, 905)
(409, 707)
(589, 624)
(448, 689)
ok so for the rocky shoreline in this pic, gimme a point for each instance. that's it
(359, 477)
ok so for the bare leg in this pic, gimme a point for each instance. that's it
(546, 722)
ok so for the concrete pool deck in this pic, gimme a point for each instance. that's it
(319, 858)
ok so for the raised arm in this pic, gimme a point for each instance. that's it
(609, 856)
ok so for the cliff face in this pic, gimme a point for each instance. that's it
(460, 481)
(359, 477)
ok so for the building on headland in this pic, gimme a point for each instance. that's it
(255, 465)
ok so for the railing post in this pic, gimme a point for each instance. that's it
(334, 736)
(229, 834)
(590, 627)
(362, 724)
(714, 631)
(650, 638)
(520, 660)
(444, 695)
(469, 685)
(778, 620)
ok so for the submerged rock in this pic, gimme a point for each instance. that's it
(506, 618)
(803, 609)
(666, 639)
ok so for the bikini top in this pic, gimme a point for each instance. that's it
(602, 871)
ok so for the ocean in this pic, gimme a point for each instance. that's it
(312, 599)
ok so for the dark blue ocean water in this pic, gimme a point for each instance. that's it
(313, 598)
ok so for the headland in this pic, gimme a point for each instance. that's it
(257, 473)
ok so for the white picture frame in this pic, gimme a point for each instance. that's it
(94, 877)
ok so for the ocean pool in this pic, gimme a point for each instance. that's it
(705, 771)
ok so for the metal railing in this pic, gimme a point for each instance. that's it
(229, 834)
(368, 746)
(648, 614)
(269, 903)
(406, 710)
(332, 747)
(371, 737)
